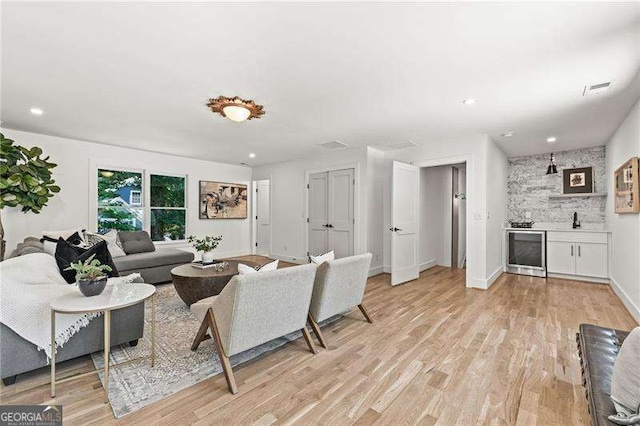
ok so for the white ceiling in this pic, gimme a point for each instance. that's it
(139, 75)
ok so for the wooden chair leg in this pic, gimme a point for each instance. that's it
(202, 332)
(309, 340)
(316, 330)
(364, 312)
(224, 359)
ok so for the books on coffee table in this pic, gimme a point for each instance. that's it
(201, 265)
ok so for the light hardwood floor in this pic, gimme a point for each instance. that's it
(436, 353)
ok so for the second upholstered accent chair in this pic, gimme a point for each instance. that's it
(339, 287)
(254, 309)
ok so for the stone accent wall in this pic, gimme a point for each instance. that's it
(529, 187)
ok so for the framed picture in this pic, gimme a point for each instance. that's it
(577, 181)
(626, 187)
(219, 200)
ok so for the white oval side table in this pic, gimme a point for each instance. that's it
(114, 297)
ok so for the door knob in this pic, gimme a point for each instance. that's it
(330, 225)
(394, 229)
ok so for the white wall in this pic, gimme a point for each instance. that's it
(462, 216)
(375, 208)
(70, 208)
(497, 172)
(625, 228)
(434, 226)
(288, 195)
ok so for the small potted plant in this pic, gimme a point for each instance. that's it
(206, 245)
(90, 276)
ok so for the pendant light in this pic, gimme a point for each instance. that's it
(552, 169)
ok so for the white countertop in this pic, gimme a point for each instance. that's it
(560, 228)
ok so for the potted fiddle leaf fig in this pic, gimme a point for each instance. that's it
(25, 180)
(90, 276)
(206, 245)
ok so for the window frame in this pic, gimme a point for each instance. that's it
(94, 205)
(185, 208)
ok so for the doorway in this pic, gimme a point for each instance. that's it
(442, 216)
(331, 219)
(262, 214)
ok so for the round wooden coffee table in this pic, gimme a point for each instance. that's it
(193, 284)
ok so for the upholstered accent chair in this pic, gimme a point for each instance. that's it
(339, 286)
(254, 309)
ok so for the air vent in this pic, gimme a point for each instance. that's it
(596, 89)
(334, 145)
(398, 145)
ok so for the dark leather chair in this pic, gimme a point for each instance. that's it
(598, 348)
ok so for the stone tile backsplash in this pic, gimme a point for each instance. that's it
(529, 187)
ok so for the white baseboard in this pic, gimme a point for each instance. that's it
(290, 259)
(484, 284)
(386, 269)
(631, 307)
(578, 278)
(376, 270)
(428, 264)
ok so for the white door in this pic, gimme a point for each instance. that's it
(318, 214)
(404, 223)
(561, 257)
(340, 211)
(263, 220)
(592, 260)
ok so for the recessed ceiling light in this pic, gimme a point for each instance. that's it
(507, 134)
(252, 155)
(36, 111)
(470, 101)
(552, 139)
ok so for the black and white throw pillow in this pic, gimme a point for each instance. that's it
(66, 254)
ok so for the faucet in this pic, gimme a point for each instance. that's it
(576, 224)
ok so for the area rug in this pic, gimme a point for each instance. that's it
(136, 385)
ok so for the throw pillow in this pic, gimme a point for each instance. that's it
(112, 239)
(136, 242)
(625, 381)
(75, 239)
(66, 234)
(66, 254)
(246, 269)
(327, 257)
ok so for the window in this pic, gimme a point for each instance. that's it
(168, 208)
(122, 203)
(115, 210)
(135, 198)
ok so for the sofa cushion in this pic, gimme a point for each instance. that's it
(160, 257)
(136, 242)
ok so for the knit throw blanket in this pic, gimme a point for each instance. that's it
(27, 285)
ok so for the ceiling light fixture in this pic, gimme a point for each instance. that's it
(252, 155)
(552, 169)
(552, 139)
(470, 101)
(36, 111)
(507, 134)
(236, 109)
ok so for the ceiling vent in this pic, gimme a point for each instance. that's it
(334, 145)
(596, 89)
(398, 145)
